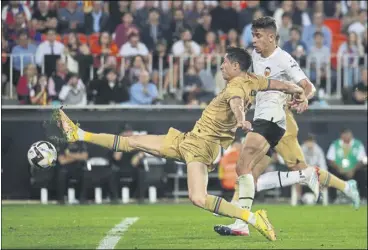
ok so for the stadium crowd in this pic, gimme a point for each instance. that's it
(148, 52)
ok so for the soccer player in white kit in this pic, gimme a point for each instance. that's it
(269, 125)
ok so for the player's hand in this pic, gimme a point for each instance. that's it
(244, 125)
(300, 107)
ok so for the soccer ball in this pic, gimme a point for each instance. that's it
(42, 154)
(308, 199)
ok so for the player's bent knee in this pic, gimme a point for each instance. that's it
(198, 200)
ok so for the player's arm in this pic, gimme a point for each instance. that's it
(237, 107)
(285, 86)
(308, 87)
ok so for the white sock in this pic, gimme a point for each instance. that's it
(346, 188)
(278, 179)
(252, 219)
(246, 191)
(80, 134)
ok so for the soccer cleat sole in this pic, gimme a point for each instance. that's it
(226, 231)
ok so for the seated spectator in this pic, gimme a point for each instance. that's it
(77, 57)
(160, 52)
(125, 29)
(71, 19)
(38, 92)
(210, 46)
(349, 52)
(117, 9)
(308, 31)
(224, 18)
(192, 12)
(346, 157)
(102, 49)
(301, 14)
(319, 58)
(186, 46)
(286, 7)
(358, 93)
(142, 14)
(200, 32)
(110, 90)
(177, 25)
(5, 63)
(229, 40)
(73, 92)
(23, 54)
(110, 63)
(247, 38)
(208, 82)
(284, 28)
(360, 26)
(26, 82)
(72, 159)
(20, 25)
(350, 14)
(46, 18)
(143, 92)
(245, 16)
(192, 86)
(49, 47)
(133, 47)
(97, 21)
(153, 30)
(9, 12)
(295, 46)
(57, 80)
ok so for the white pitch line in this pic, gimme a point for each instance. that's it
(114, 235)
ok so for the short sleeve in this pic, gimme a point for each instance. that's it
(331, 153)
(233, 92)
(293, 69)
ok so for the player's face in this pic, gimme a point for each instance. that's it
(228, 69)
(261, 39)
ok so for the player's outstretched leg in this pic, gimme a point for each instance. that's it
(149, 143)
(199, 197)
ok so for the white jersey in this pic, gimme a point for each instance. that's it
(270, 104)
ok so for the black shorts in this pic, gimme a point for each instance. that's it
(269, 130)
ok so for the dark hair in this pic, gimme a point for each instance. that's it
(318, 33)
(241, 56)
(133, 34)
(23, 32)
(154, 10)
(346, 130)
(310, 137)
(286, 14)
(185, 30)
(265, 22)
(297, 29)
(51, 30)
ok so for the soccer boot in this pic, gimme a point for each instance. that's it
(312, 181)
(263, 225)
(353, 193)
(70, 130)
(238, 228)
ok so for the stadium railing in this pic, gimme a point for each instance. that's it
(345, 74)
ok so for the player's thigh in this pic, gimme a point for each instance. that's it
(168, 146)
(197, 182)
(290, 150)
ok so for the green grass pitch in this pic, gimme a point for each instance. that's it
(165, 226)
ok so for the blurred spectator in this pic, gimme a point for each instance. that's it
(192, 86)
(210, 47)
(301, 15)
(38, 92)
(77, 57)
(295, 46)
(57, 80)
(46, 18)
(245, 16)
(49, 47)
(117, 9)
(247, 38)
(349, 52)
(26, 83)
(308, 32)
(5, 63)
(160, 52)
(177, 25)
(97, 21)
(208, 83)
(358, 93)
(346, 157)
(110, 90)
(332, 9)
(125, 29)
(203, 28)
(153, 30)
(361, 25)
(351, 14)
(284, 29)
(23, 54)
(133, 47)
(72, 163)
(142, 14)
(319, 56)
(71, 19)
(313, 153)
(224, 18)
(109, 63)
(192, 12)
(104, 46)
(220, 83)
(186, 46)
(19, 26)
(232, 40)
(73, 92)
(9, 12)
(132, 74)
(286, 7)
(143, 92)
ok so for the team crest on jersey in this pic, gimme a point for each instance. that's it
(267, 71)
